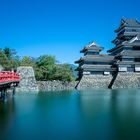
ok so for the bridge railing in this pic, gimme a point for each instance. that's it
(8, 76)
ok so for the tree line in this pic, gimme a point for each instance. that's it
(46, 67)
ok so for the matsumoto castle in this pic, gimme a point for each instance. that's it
(120, 66)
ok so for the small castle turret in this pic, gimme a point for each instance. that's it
(93, 67)
(94, 63)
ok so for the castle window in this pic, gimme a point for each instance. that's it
(136, 48)
(137, 59)
(137, 69)
(106, 73)
(128, 59)
(122, 69)
(134, 30)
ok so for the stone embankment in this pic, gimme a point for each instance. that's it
(94, 81)
(28, 82)
(127, 80)
(56, 85)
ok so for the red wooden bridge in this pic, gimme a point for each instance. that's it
(8, 80)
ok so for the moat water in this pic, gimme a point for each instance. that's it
(72, 115)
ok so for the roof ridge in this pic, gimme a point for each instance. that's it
(137, 21)
(129, 21)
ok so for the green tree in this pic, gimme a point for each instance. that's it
(39, 74)
(3, 60)
(46, 60)
(8, 58)
(16, 62)
(63, 72)
(47, 69)
(27, 61)
(46, 65)
(10, 53)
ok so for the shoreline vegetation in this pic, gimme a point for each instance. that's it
(46, 67)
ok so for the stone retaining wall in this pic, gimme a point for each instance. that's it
(122, 80)
(94, 81)
(28, 82)
(127, 80)
(56, 85)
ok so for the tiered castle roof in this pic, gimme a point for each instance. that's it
(127, 49)
(92, 61)
(128, 23)
(128, 29)
(125, 56)
(93, 47)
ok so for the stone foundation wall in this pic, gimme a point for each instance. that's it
(94, 81)
(122, 80)
(56, 85)
(127, 80)
(28, 82)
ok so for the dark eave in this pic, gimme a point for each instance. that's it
(100, 68)
(135, 41)
(92, 47)
(131, 44)
(128, 23)
(91, 50)
(127, 63)
(117, 30)
(98, 58)
(128, 54)
(113, 49)
(97, 67)
(79, 61)
(133, 53)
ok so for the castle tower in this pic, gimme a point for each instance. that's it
(127, 46)
(127, 54)
(93, 66)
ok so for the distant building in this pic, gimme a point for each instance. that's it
(94, 63)
(127, 46)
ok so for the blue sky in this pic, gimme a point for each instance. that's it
(61, 27)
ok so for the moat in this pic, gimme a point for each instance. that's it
(72, 115)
